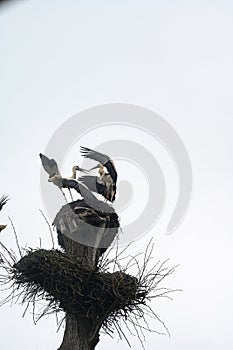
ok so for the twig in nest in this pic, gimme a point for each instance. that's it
(16, 238)
(50, 229)
(103, 297)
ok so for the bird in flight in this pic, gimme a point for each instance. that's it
(51, 167)
(105, 184)
(55, 177)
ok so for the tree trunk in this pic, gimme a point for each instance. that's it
(78, 334)
(81, 333)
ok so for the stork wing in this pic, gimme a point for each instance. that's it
(87, 195)
(112, 170)
(80, 188)
(3, 200)
(91, 183)
(49, 165)
(101, 158)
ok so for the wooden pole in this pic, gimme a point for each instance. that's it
(84, 234)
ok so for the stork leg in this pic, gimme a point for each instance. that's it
(64, 196)
(70, 194)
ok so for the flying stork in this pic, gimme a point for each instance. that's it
(55, 177)
(51, 167)
(3, 200)
(105, 184)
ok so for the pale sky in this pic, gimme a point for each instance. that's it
(173, 57)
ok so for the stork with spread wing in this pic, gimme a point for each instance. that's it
(51, 167)
(105, 184)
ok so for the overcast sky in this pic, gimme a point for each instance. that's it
(173, 57)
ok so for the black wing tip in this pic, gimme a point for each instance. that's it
(84, 151)
(5, 196)
(4, 199)
(42, 156)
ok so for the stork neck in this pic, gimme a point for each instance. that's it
(101, 170)
(73, 176)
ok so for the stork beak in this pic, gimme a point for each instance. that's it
(83, 170)
(95, 167)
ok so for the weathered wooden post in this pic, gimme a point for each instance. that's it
(84, 234)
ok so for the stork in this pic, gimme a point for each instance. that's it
(105, 184)
(51, 167)
(87, 195)
(3, 200)
(55, 177)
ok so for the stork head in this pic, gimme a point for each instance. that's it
(100, 167)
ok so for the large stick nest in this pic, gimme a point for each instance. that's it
(78, 282)
(74, 288)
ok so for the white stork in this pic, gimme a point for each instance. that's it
(51, 167)
(55, 177)
(105, 184)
